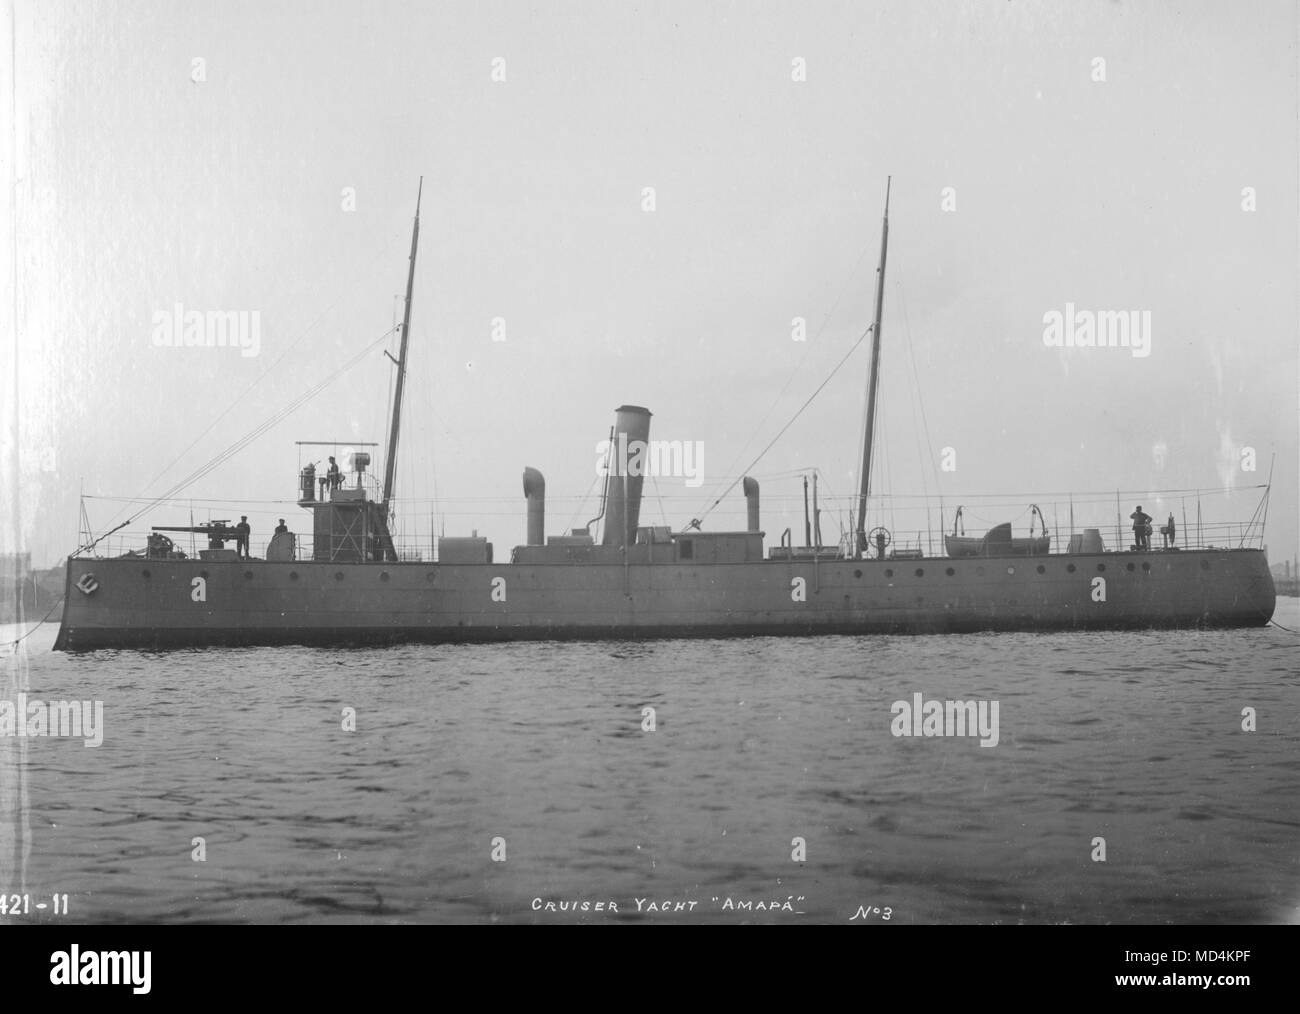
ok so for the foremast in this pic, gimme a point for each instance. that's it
(390, 464)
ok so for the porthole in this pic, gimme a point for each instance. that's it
(1011, 570)
(1129, 567)
(248, 575)
(203, 574)
(429, 577)
(1205, 565)
(1071, 567)
(383, 576)
(293, 575)
(888, 572)
(338, 575)
(857, 573)
(950, 572)
(145, 574)
(1146, 566)
(920, 572)
(1042, 569)
(1101, 568)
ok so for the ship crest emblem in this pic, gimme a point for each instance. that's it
(87, 584)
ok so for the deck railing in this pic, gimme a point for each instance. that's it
(904, 544)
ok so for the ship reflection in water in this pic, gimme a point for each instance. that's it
(1132, 737)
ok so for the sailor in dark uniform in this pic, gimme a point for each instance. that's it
(334, 476)
(1141, 528)
(242, 532)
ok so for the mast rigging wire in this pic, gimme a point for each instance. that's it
(253, 434)
(696, 522)
(852, 275)
(380, 252)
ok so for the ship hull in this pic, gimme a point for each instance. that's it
(140, 603)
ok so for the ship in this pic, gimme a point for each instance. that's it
(349, 584)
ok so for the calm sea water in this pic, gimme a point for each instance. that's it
(1134, 738)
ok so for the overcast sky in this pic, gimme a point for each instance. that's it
(264, 157)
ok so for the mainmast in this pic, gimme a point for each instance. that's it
(873, 382)
(390, 467)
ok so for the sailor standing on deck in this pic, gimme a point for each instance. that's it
(334, 476)
(1141, 528)
(242, 532)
